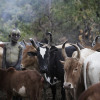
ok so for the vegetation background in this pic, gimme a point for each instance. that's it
(75, 20)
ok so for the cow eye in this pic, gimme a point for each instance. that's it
(75, 70)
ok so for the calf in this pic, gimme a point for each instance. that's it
(92, 93)
(73, 76)
(26, 83)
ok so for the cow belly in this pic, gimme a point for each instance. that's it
(94, 74)
(21, 91)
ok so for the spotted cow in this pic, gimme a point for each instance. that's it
(28, 83)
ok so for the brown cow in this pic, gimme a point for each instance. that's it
(73, 76)
(27, 61)
(95, 45)
(92, 93)
(27, 83)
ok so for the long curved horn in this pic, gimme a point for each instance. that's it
(78, 50)
(63, 51)
(50, 41)
(33, 43)
(96, 39)
(79, 45)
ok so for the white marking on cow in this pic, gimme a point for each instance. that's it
(22, 91)
(60, 46)
(48, 80)
(14, 90)
(67, 84)
(42, 51)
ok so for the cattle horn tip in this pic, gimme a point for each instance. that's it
(64, 43)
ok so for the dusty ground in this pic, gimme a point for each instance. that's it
(49, 93)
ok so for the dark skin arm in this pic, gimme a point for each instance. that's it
(4, 58)
(18, 64)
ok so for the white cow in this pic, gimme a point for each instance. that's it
(84, 53)
(92, 69)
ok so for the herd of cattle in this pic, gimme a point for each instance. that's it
(75, 67)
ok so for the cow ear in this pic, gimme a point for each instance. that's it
(32, 54)
(63, 62)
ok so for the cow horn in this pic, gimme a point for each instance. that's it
(24, 42)
(50, 41)
(33, 43)
(63, 50)
(79, 45)
(78, 50)
(96, 39)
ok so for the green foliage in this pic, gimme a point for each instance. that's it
(35, 17)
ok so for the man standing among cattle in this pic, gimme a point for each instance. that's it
(12, 53)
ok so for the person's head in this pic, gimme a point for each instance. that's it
(15, 35)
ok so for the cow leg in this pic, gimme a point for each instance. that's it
(17, 98)
(62, 92)
(44, 93)
(69, 94)
(9, 96)
(75, 94)
(53, 89)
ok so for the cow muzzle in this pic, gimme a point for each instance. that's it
(68, 85)
(22, 67)
(43, 70)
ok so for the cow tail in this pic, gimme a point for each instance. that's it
(84, 72)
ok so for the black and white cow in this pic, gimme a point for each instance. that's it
(50, 65)
(55, 68)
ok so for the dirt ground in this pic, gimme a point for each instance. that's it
(49, 93)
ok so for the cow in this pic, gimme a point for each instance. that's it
(55, 67)
(48, 58)
(92, 93)
(42, 54)
(96, 44)
(73, 76)
(27, 61)
(92, 69)
(86, 51)
(91, 63)
(27, 83)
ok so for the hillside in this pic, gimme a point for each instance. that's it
(66, 19)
